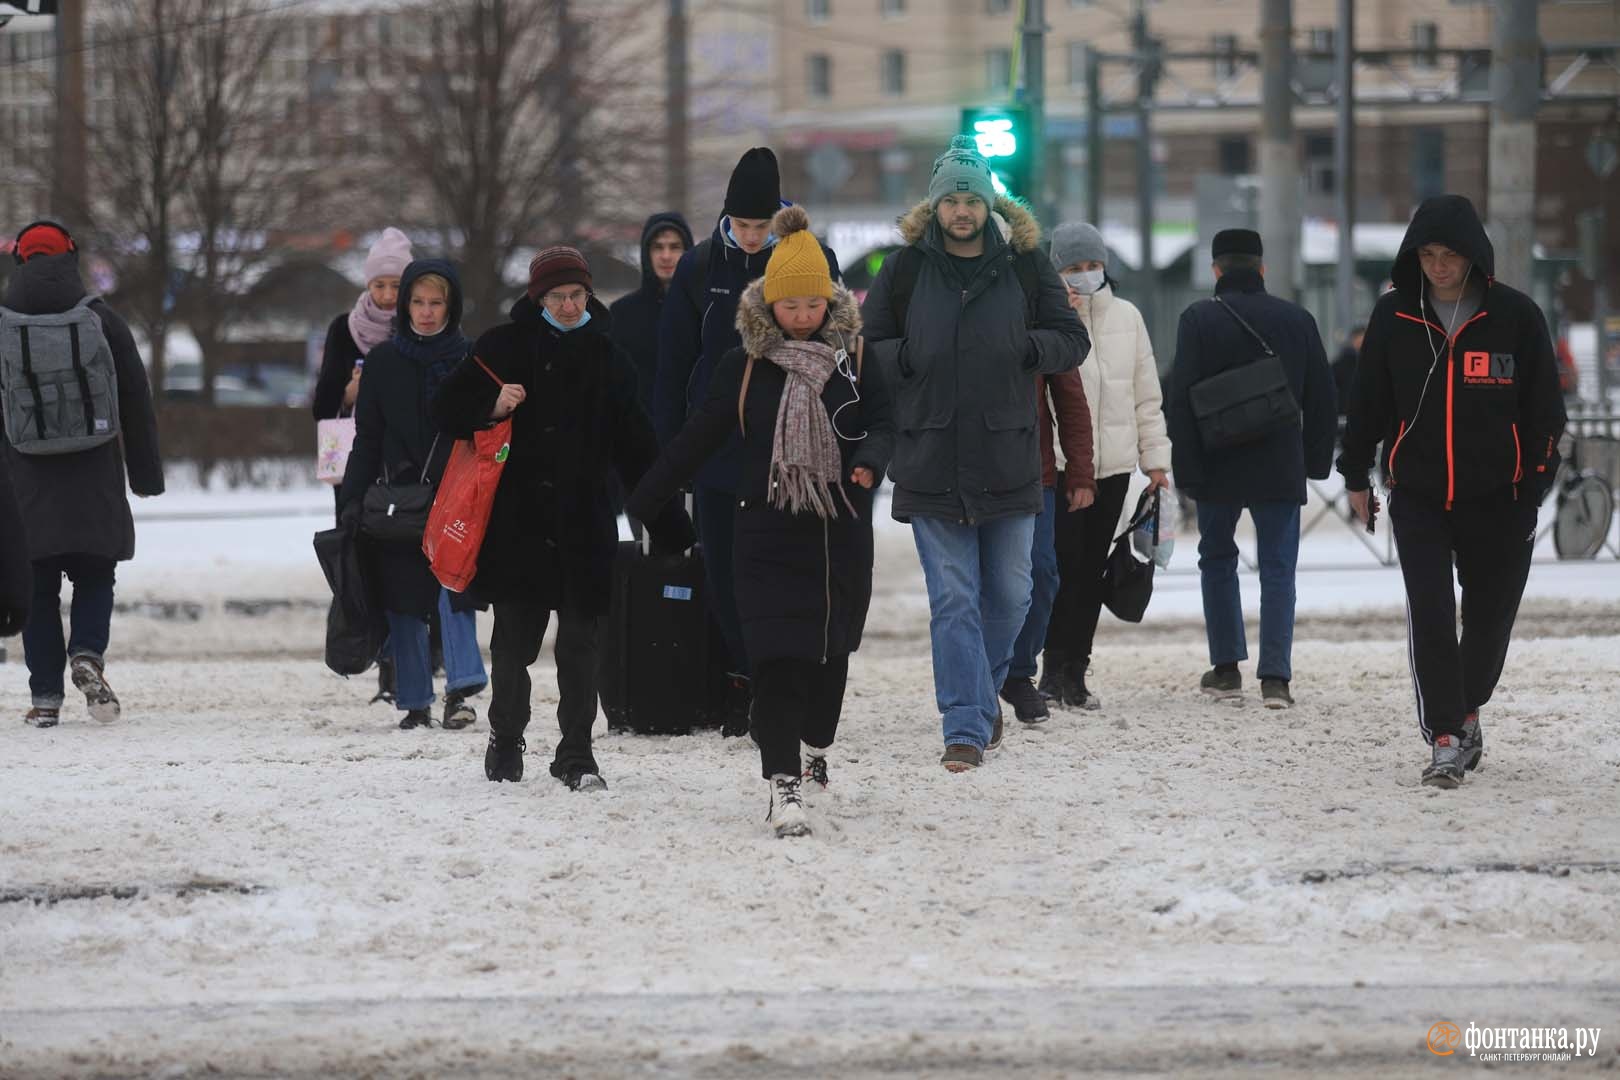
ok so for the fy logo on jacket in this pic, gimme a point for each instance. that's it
(1488, 369)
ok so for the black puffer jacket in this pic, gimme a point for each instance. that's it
(803, 583)
(635, 316)
(75, 504)
(961, 371)
(553, 532)
(338, 358)
(394, 430)
(1492, 413)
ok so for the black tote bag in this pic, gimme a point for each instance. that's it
(1127, 580)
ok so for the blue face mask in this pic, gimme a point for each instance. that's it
(770, 240)
(583, 319)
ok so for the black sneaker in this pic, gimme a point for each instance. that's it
(1446, 767)
(458, 713)
(416, 718)
(585, 780)
(1473, 743)
(1222, 685)
(1027, 703)
(503, 760)
(1274, 694)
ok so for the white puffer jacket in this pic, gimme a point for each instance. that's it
(1122, 387)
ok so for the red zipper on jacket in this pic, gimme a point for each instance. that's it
(1399, 435)
(1518, 457)
(1451, 357)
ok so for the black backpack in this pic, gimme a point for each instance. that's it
(908, 264)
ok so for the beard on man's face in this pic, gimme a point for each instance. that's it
(955, 230)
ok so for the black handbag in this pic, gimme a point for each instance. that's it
(1127, 580)
(355, 625)
(1244, 404)
(398, 512)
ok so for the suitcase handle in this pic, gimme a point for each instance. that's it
(691, 512)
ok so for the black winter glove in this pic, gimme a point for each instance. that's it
(672, 532)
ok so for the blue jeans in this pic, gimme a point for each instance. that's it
(44, 651)
(978, 595)
(413, 658)
(1276, 526)
(1043, 568)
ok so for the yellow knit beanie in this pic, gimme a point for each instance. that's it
(798, 266)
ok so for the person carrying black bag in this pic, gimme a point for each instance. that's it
(1241, 350)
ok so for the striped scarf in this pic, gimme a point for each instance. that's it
(806, 465)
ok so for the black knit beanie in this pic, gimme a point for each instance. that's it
(755, 190)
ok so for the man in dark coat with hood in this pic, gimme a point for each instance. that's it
(74, 506)
(635, 316)
(1458, 381)
(698, 327)
(1266, 476)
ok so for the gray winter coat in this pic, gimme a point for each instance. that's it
(75, 504)
(966, 445)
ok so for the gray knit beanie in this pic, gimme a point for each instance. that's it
(1076, 243)
(961, 170)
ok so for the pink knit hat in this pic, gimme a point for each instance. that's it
(389, 256)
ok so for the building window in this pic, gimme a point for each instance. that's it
(1323, 39)
(998, 69)
(1428, 163)
(1225, 48)
(892, 9)
(1236, 154)
(1426, 39)
(894, 72)
(997, 7)
(818, 11)
(1077, 63)
(818, 75)
(1319, 175)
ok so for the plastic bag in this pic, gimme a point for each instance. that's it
(1154, 537)
(460, 515)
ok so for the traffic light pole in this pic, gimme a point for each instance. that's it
(1034, 50)
(1094, 137)
(1146, 83)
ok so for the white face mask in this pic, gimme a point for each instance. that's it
(1085, 282)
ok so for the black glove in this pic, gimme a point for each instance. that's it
(672, 532)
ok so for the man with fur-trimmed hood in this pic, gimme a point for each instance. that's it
(959, 322)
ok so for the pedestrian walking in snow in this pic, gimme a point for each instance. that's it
(349, 340)
(1265, 475)
(813, 420)
(396, 441)
(1121, 380)
(1457, 379)
(66, 466)
(698, 327)
(552, 535)
(16, 577)
(959, 323)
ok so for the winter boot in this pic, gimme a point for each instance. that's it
(995, 734)
(787, 816)
(1446, 769)
(739, 703)
(42, 716)
(1222, 684)
(1083, 697)
(1053, 666)
(458, 713)
(584, 780)
(1027, 703)
(385, 680)
(90, 678)
(1274, 694)
(503, 760)
(960, 758)
(815, 770)
(416, 718)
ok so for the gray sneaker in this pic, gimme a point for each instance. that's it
(1446, 770)
(1222, 685)
(1473, 743)
(1274, 693)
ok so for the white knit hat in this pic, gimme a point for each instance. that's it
(389, 256)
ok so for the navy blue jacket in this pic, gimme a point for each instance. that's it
(1209, 341)
(698, 327)
(636, 316)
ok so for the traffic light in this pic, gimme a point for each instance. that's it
(1003, 136)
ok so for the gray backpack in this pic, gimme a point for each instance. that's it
(58, 385)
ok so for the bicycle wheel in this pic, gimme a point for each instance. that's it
(1585, 511)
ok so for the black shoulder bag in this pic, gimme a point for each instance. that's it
(1246, 403)
(1127, 580)
(398, 512)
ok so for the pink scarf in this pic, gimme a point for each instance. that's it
(369, 324)
(806, 465)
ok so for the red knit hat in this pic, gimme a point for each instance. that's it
(554, 266)
(43, 238)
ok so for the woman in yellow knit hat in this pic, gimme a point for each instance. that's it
(816, 439)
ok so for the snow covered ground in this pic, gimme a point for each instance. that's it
(256, 874)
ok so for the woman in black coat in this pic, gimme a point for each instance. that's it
(395, 438)
(803, 539)
(553, 533)
(352, 335)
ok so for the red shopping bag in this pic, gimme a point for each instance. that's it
(460, 514)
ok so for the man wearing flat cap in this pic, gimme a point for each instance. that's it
(1265, 475)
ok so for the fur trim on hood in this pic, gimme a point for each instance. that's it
(759, 331)
(1023, 232)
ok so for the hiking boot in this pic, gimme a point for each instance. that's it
(1083, 698)
(1222, 685)
(385, 681)
(503, 760)
(584, 780)
(1446, 769)
(90, 678)
(960, 757)
(816, 770)
(40, 716)
(787, 816)
(1274, 693)
(415, 718)
(739, 704)
(1473, 743)
(995, 734)
(1027, 703)
(1058, 683)
(458, 713)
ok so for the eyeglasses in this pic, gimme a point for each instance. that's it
(576, 297)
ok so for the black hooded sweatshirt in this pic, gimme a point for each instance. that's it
(1492, 413)
(634, 323)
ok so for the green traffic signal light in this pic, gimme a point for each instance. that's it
(1001, 134)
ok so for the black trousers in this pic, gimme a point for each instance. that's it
(796, 700)
(1489, 540)
(514, 646)
(1083, 540)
